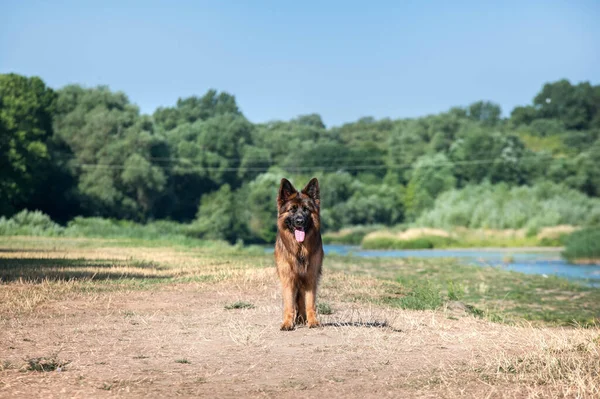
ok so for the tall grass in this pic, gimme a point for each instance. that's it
(36, 223)
(31, 223)
(583, 245)
(503, 207)
(423, 242)
(349, 235)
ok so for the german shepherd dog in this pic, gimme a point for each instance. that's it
(299, 252)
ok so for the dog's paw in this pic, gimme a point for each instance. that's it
(287, 325)
(313, 323)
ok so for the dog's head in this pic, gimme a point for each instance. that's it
(298, 211)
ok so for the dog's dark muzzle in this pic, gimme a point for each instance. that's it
(299, 222)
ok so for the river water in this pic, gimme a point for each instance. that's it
(544, 262)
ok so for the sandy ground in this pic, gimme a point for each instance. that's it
(181, 341)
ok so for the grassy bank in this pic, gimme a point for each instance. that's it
(38, 224)
(34, 270)
(35, 223)
(428, 238)
(489, 292)
(583, 246)
(350, 235)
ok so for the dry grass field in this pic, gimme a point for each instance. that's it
(107, 318)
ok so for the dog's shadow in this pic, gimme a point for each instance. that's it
(365, 324)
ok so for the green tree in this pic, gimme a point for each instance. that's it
(206, 154)
(431, 176)
(26, 107)
(219, 216)
(371, 204)
(115, 151)
(576, 106)
(523, 115)
(192, 109)
(257, 201)
(480, 155)
(485, 112)
(585, 174)
(312, 120)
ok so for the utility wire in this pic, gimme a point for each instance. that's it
(313, 168)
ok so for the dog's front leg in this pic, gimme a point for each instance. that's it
(289, 304)
(300, 307)
(311, 306)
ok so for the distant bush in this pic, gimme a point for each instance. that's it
(502, 207)
(31, 223)
(424, 242)
(552, 241)
(583, 245)
(99, 227)
(36, 223)
(349, 236)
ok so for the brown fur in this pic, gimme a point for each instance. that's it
(299, 263)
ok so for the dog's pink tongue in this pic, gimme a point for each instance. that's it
(299, 235)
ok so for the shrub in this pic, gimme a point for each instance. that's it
(502, 207)
(37, 223)
(423, 296)
(583, 245)
(33, 223)
(350, 236)
(423, 242)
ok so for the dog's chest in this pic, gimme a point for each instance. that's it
(302, 259)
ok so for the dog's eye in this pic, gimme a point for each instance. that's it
(293, 209)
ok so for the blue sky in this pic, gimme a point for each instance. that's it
(341, 59)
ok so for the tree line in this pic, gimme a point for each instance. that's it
(90, 152)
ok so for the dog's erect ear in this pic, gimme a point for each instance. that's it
(312, 190)
(286, 190)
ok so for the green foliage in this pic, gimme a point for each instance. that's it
(324, 308)
(202, 161)
(424, 242)
(112, 147)
(257, 202)
(551, 144)
(491, 292)
(31, 223)
(98, 227)
(576, 106)
(501, 207)
(373, 203)
(37, 223)
(422, 296)
(485, 112)
(239, 305)
(349, 235)
(552, 241)
(219, 217)
(26, 109)
(191, 109)
(583, 245)
(483, 155)
(431, 176)
(456, 291)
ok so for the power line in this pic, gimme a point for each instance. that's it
(312, 168)
(237, 160)
(66, 155)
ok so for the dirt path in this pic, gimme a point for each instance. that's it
(181, 341)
